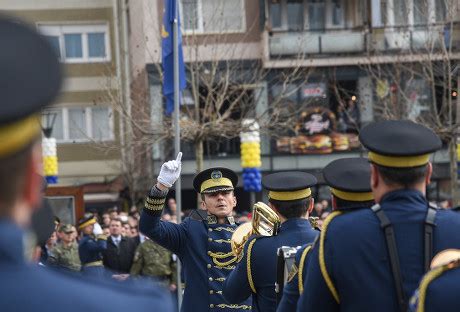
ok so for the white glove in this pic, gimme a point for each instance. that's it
(97, 230)
(170, 171)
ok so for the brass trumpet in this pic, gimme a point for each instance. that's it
(264, 222)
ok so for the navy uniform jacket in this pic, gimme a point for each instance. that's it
(294, 287)
(263, 260)
(90, 250)
(200, 244)
(440, 292)
(24, 287)
(357, 261)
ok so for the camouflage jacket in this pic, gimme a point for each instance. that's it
(66, 257)
(153, 260)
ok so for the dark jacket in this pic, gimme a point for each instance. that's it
(119, 259)
(356, 257)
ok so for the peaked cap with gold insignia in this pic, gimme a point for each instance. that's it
(349, 179)
(399, 143)
(289, 185)
(30, 78)
(215, 179)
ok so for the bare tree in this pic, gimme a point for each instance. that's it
(420, 82)
(222, 90)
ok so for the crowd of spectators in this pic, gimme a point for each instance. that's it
(129, 254)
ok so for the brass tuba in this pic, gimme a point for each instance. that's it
(264, 222)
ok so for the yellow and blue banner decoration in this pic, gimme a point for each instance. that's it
(250, 156)
(170, 15)
(50, 160)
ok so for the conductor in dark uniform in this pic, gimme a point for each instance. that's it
(373, 259)
(349, 181)
(202, 241)
(438, 290)
(30, 78)
(91, 246)
(255, 275)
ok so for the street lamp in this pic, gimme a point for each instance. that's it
(49, 118)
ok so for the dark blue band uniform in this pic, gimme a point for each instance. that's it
(354, 246)
(202, 244)
(90, 249)
(438, 290)
(30, 80)
(349, 180)
(255, 274)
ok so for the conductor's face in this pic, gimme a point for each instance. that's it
(220, 204)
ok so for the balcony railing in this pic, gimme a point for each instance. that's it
(433, 38)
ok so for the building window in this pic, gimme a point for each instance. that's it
(213, 16)
(316, 14)
(295, 15)
(83, 124)
(79, 43)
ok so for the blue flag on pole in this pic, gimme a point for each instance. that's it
(167, 47)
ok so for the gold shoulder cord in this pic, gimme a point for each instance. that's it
(429, 277)
(248, 266)
(301, 266)
(221, 255)
(322, 261)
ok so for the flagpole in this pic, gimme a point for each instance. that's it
(177, 136)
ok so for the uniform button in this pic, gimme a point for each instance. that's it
(210, 230)
(210, 279)
(211, 291)
(210, 239)
(211, 305)
(209, 266)
(209, 252)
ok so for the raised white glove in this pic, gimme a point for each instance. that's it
(170, 171)
(97, 230)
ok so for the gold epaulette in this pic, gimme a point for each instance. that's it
(248, 266)
(322, 260)
(301, 267)
(442, 262)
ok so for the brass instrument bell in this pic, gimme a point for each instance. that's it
(265, 222)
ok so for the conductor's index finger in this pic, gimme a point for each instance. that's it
(179, 157)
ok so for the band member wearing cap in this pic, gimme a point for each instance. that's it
(438, 290)
(91, 246)
(372, 259)
(349, 180)
(290, 197)
(202, 241)
(30, 78)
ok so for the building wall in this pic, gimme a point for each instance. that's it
(91, 85)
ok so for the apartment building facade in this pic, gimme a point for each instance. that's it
(347, 49)
(86, 38)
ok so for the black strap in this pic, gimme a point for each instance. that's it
(388, 229)
(279, 285)
(428, 236)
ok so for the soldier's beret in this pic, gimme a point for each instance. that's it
(289, 185)
(30, 78)
(349, 179)
(215, 179)
(399, 143)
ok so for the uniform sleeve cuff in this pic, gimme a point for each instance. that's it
(155, 201)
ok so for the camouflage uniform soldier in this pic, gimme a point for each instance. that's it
(65, 253)
(152, 260)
